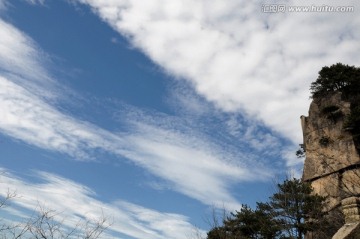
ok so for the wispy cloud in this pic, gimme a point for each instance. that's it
(24, 63)
(237, 56)
(190, 166)
(75, 201)
(180, 155)
(27, 117)
(187, 160)
(19, 54)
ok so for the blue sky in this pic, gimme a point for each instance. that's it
(154, 112)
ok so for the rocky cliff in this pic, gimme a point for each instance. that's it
(332, 160)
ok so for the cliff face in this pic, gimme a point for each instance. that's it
(332, 161)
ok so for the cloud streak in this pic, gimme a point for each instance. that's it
(181, 156)
(178, 158)
(175, 157)
(75, 202)
(19, 57)
(27, 117)
(186, 160)
(236, 56)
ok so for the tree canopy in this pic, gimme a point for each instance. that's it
(292, 211)
(296, 208)
(337, 77)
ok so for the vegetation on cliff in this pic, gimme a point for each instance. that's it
(337, 77)
(345, 79)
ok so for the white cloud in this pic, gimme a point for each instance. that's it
(188, 161)
(190, 165)
(23, 62)
(174, 147)
(27, 117)
(17, 53)
(75, 201)
(179, 155)
(237, 56)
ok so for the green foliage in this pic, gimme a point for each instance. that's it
(338, 77)
(268, 227)
(290, 213)
(218, 233)
(346, 80)
(247, 224)
(243, 223)
(250, 223)
(296, 208)
(300, 153)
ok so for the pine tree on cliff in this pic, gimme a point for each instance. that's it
(345, 79)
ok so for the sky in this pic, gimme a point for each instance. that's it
(153, 113)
